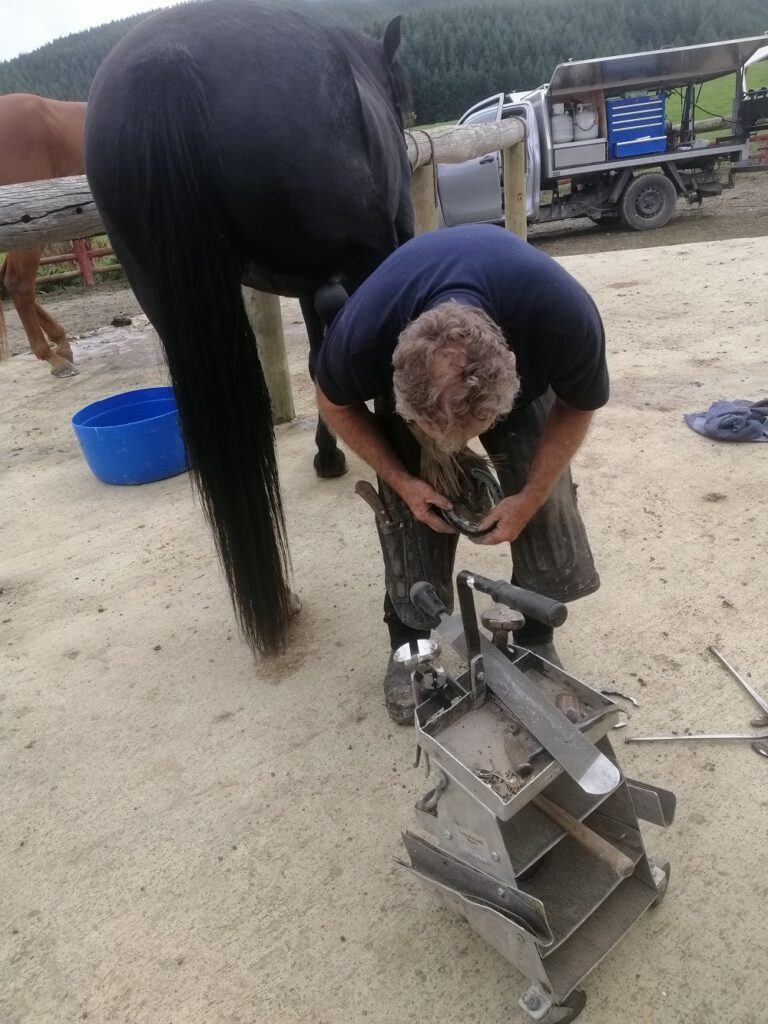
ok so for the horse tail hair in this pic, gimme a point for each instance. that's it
(191, 264)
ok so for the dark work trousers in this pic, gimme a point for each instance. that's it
(551, 556)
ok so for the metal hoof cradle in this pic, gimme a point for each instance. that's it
(534, 834)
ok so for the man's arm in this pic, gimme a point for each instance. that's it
(563, 433)
(357, 427)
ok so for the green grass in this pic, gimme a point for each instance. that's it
(716, 98)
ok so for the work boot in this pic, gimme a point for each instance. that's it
(546, 651)
(539, 640)
(398, 694)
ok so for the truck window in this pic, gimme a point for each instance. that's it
(484, 116)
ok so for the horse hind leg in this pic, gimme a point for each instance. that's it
(20, 284)
(55, 333)
(4, 353)
(3, 336)
(329, 460)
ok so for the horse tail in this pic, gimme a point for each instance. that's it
(190, 265)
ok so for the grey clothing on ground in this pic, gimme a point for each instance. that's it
(737, 420)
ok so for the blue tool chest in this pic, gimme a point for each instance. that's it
(636, 126)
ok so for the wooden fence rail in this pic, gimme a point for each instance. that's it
(40, 212)
(84, 256)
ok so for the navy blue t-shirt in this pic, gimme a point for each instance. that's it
(550, 321)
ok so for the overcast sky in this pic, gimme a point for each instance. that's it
(27, 24)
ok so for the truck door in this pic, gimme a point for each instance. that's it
(470, 193)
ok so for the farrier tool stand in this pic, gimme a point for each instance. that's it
(535, 831)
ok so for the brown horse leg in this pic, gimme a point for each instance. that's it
(20, 284)
(57, 336)
(3, 334)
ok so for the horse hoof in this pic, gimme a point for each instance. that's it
(330, 465)
(64, 368)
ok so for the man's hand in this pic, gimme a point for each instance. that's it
(421, 499)
(563, 433)
(507, 521)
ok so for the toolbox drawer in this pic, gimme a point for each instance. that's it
(574, 154)
(640, 147)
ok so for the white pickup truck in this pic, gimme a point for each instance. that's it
(628, 162)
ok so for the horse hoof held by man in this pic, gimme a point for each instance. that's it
(463, 333)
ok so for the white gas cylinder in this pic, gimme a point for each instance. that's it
(562, 124)
(585, 123)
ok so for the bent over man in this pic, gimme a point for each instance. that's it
(462, 333)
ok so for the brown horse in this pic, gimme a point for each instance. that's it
(39, 139)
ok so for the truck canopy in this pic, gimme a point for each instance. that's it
(665, 69)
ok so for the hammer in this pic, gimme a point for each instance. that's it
(586, 837)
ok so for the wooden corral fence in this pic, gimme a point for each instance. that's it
(41, 212)
(83, 255)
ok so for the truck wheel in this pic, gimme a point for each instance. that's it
(648, 202)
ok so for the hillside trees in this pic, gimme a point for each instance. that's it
(456, 53)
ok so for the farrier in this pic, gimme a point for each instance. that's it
(462, 333)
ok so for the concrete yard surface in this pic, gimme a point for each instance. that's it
(192, 836)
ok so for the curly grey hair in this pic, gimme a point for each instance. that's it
(453, 367)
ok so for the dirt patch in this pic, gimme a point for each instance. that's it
(741, 212)
(193, 836)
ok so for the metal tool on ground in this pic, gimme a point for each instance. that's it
(624, 696)
(761, 720)
(535, 835)
(758, 741)
(688, 737)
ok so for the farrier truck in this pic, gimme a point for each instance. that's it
(601, 144)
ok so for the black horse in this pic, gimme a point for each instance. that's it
(236, 142)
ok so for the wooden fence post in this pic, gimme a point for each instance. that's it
(267, 323)
(514, 190)
(80, 248)
(424, 196)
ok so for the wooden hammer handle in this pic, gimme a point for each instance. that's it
(590, 840)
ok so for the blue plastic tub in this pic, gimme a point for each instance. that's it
(132, 438)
